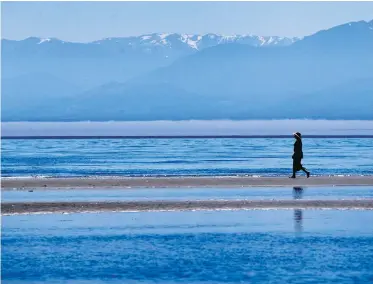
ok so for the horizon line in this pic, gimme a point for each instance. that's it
(21, 137)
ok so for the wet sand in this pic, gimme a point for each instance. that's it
(78, 207)
(175, 182)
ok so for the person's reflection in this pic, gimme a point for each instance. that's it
(298, 213)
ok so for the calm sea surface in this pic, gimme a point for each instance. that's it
(185, 157)
(273, 246)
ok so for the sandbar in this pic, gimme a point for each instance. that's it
(176, 182)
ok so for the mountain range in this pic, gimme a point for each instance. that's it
(177, 76)
(119, 58)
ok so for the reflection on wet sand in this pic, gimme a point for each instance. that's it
(173, 205)
(298, 213)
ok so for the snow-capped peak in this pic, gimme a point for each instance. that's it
(44, 40)
(370, 24)
(179, 41)
(163, 36)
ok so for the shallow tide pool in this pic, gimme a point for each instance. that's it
(127, 194)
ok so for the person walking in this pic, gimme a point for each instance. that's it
(298, 156)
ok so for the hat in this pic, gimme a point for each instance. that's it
(297, 134)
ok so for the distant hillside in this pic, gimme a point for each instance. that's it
(25, 93)
(326, 75)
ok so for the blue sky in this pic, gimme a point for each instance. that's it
(87, 21)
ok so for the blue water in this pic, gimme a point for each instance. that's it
(276, 246)
(264, 193)
(205, 157)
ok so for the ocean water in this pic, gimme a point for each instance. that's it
(255, 246)
(184, 157)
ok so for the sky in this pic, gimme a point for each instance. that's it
(89, 21)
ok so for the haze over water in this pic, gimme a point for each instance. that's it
(187, 128)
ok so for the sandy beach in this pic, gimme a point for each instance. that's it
(78, 207)
(175, 182)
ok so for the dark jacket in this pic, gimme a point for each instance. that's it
(298, 152)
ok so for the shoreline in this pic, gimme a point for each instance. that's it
(14, 208)
(178, 182)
